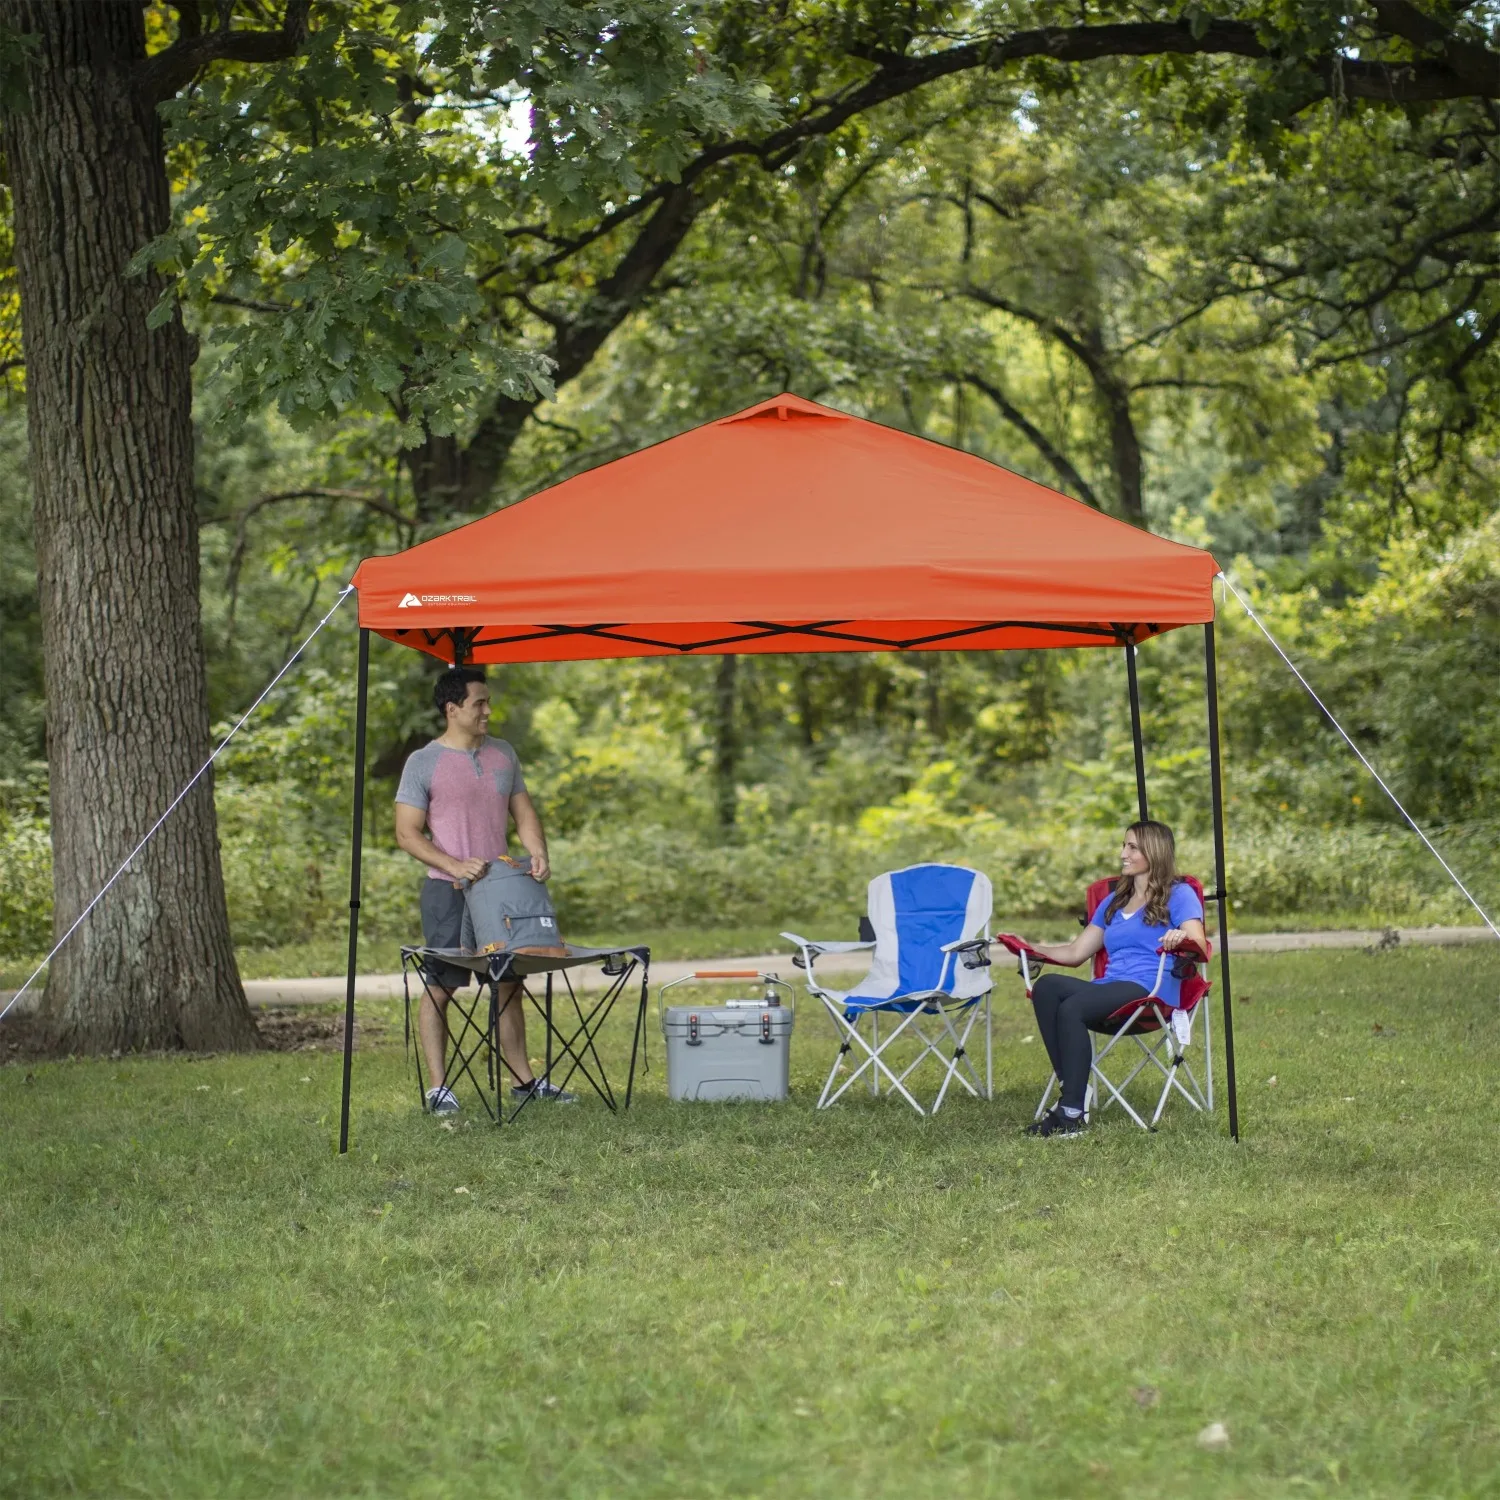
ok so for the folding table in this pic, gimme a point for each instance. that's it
(572, 1024)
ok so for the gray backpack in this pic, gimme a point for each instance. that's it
(506, 911)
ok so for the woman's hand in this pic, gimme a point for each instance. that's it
(1191, 931)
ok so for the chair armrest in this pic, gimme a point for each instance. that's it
(1188, 949)
(825, 947)
(812, 951)
(1022, 949)
(975, 952)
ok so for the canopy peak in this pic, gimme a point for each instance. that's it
(784, 406)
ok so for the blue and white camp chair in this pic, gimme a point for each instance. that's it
(931, 928)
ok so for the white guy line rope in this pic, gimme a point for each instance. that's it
(198, 775)
(1363, 759)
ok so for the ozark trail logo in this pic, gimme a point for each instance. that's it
(414, 601)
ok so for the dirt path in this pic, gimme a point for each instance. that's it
(388, 986)
(277, 992)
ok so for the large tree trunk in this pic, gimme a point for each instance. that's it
(108, 405)
(726, 743)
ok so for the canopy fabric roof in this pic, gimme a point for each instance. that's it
(786, 527)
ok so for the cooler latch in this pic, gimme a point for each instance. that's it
(766, 1038)
(693, 1039)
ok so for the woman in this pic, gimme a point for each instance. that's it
(1149, 908)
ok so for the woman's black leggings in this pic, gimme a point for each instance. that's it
(1065, 1007)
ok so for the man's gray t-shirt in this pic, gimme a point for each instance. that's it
(466, 796)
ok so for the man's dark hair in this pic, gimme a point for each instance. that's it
(452, 687)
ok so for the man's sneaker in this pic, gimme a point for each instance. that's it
(440, 1101)
(1055, 1122)
(542, 1088)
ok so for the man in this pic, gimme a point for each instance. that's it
(457, 798)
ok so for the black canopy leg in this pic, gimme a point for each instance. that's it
(356, 849)
(1216, 785)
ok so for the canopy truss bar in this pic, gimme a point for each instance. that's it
(465, 640)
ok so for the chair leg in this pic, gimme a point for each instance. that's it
(874, 1053)
(874, 1059)
(1194, 1096)
(989, 1048)
(959, 1060)
(1208, 1049)
(1116, 1095)
(1166, 1055)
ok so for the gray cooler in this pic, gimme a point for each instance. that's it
(738, 1049)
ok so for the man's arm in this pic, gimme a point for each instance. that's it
(411, 835)
(529, 831)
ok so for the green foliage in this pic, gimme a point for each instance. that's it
(358, 198)
(22, 736)
(25, 864)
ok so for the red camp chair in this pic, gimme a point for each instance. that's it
(1162, 1032)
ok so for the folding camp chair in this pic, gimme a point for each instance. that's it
(930, 926)
(1162, 1032)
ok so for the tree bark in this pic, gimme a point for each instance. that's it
(726, 743)
(111, 452)
(1124, 443)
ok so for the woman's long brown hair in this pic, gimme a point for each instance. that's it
(1160, 848)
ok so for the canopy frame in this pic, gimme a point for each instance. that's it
(463, 639)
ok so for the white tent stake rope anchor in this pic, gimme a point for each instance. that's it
(176, 802)
(1363, 759)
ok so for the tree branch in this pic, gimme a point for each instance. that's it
(1470, 62)
(161, 76)
(1083, 351)
(1061, 465)
(315, 492)
(472, 473)
(247, 304)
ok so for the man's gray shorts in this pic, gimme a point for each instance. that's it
(443, 927)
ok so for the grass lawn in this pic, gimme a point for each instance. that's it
(198, 1297)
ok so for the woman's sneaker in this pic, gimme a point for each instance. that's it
(1055, 1122)
(542, 1088)
(440, 1101)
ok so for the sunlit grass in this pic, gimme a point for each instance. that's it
(198, 1297)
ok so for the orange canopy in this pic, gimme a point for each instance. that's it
(787, 527)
